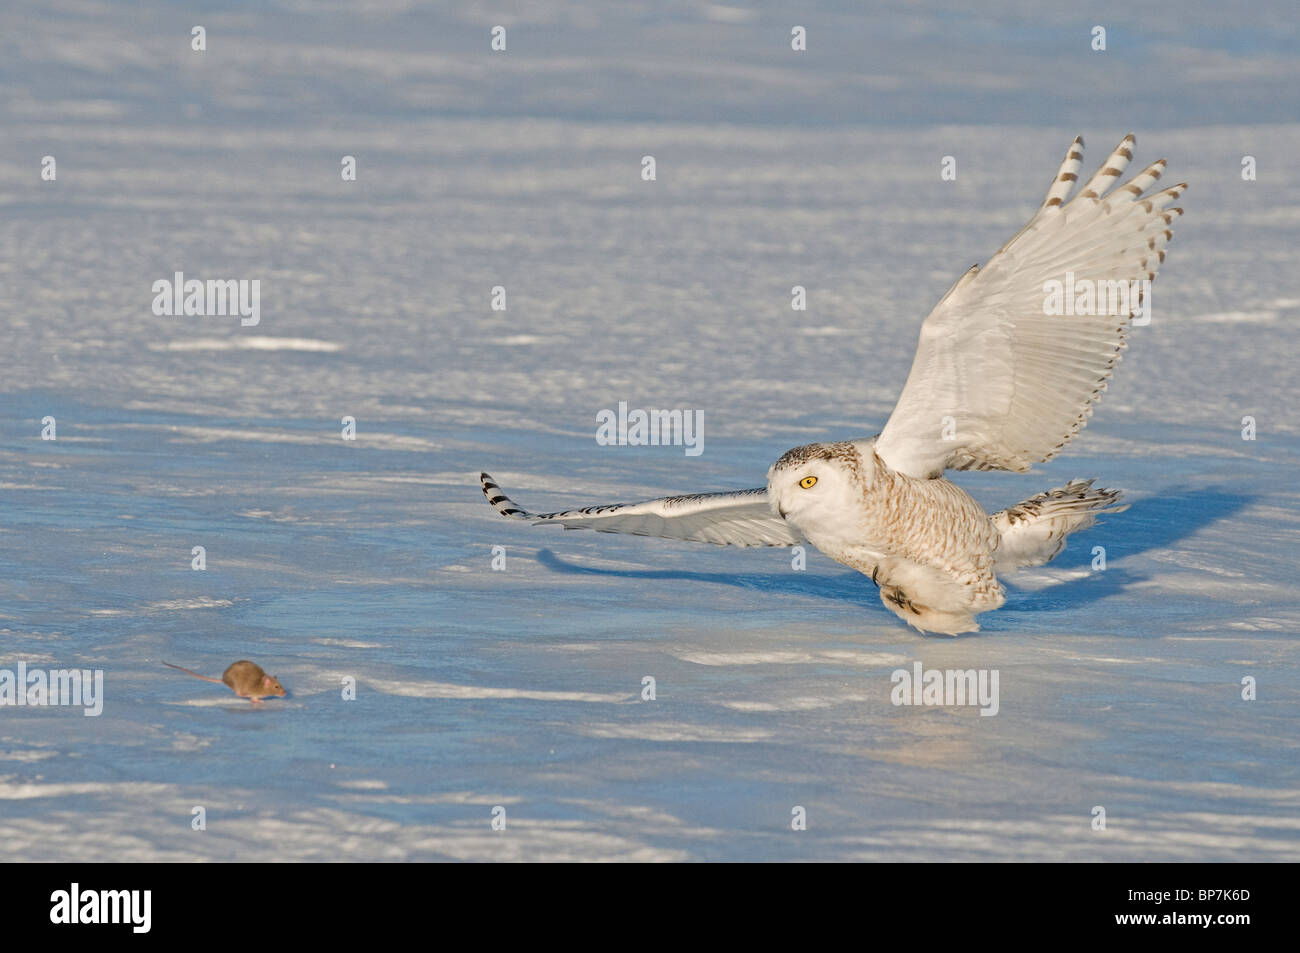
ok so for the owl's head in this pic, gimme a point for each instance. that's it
(814, 487)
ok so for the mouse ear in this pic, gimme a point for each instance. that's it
(268, 681)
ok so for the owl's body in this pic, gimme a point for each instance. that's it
(926, 543)
(1003, 378)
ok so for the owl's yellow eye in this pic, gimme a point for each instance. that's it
(808, 482)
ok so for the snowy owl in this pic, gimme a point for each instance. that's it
(1007, 370)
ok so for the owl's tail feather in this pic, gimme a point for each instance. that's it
(1033, 532)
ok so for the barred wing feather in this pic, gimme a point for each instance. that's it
(997, 384)
(740, 518)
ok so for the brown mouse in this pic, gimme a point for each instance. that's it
(247, 679)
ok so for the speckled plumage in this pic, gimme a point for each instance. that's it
(930, 547)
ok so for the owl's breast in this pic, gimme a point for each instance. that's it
(903, 521)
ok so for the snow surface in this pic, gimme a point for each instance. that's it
(522, 688)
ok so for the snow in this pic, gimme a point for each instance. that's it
(371, 559)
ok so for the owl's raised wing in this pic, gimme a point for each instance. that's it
(998, 382)
(742, 518)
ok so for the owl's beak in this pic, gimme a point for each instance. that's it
(780, 511)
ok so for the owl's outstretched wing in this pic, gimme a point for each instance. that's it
(742, 518)
(1000, 384)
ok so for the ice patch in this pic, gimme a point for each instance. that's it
(781, 657)
(248, 343)
(168, 605)
(413, 689)
(672, 731)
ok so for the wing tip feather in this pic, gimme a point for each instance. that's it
(497, 498)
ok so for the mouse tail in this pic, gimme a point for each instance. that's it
(195, 674)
